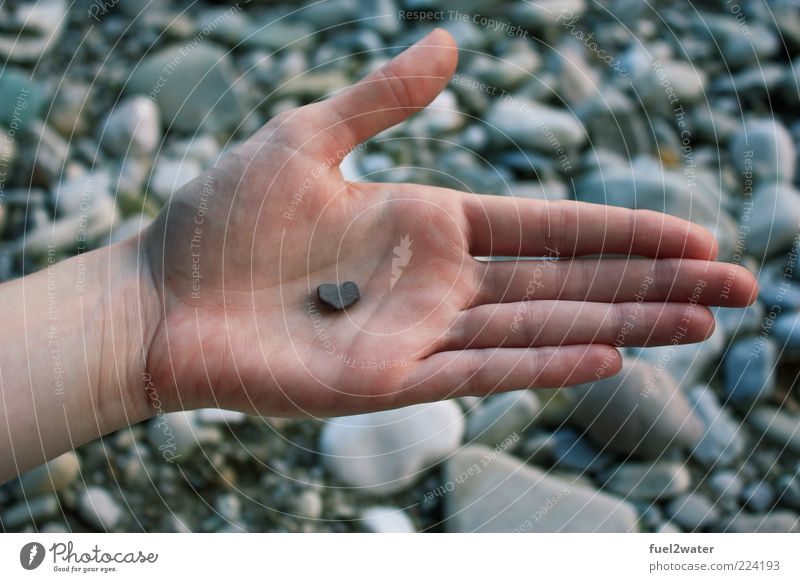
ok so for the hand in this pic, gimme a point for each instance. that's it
(236, 257)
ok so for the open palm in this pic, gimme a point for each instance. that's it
(237, 256)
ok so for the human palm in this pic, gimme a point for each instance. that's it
(276, 219)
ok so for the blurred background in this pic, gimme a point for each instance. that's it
(691, 108)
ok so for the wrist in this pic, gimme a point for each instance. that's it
(129, 317)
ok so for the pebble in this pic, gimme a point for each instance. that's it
(309, 504)
(170, 175)
(173, 436)
(199, 94)
(502, 415)
(54, 476)
(571, 450)
(38, 29)
(498, 493)
(521, 122)
(692, 511)
(786, 333)
(35, 510)
(765, 148)
(773, 226)
(649, 482)
(338, 297)
(749, 368)
(726, 484)
(133, 128)
(640, 411)
(721, 443)
(385, 452)
(385, 519)
(780, 521)
(21, 99)
(778, 426)
(758, 496)
(99, 509)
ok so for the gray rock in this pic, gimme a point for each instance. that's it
(70, 113)
(649, 482)
(778, 426)
(765, 148)
(545, 13)
(338, 297)
(750, 368)
(780, 521)
(758, 496)
(502, 415)
(38, 29)
(386, 452)
(21, 100)
(498, 493)
(99, 509)
(171, 175)
(515, 65)
(549, 190)
(529, 124)
(773, 220)
(75, 193)
(133, 128)
(36, 510)
(726, 484)
(692, 511)
(381, 519)
(194, 91)
(639, 411)
(571, 450)
(54, 476)
(308, 504)
(173, 436)
(721, 443)
(229, 507)
(786, 333)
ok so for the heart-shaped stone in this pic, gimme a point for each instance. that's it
(338, 297)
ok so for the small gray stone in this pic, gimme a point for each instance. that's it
(34, 511)
(726, 484)
(386, 452)
(308, 504)
(780, 427)
(382, 519)
(660, 480)
(498, 493)
(758, 496)
(692, 511)
(780, 521)
(338, 297)
(54, 476)
(133, 128)
(98, 508)
(721, 442)
(772, 220)
(502, 415)
(529, 124)
(750, 370)
(639, 411)
(765, 148)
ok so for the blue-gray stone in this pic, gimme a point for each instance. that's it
(750, 370)
(573, 451)
(786, 333)
(758, 496)
(721, 443)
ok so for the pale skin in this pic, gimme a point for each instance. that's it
(274, 219)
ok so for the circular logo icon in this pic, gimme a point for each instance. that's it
(31, 555)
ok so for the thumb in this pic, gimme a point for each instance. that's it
(403, 86)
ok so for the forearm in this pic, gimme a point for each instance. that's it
(72, 354)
